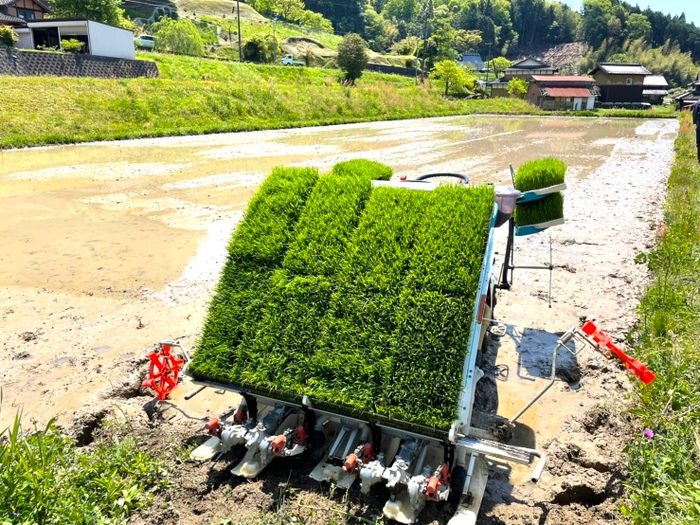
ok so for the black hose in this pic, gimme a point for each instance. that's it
(463, 178)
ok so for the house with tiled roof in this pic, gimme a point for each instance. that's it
(554, 92)
(524, 70)
(655, 89)
(620, 83)
(16, 13)
(689, 98)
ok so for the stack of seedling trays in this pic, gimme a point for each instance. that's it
(356, 296)
(541, 205)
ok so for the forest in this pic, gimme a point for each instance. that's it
(435, 30)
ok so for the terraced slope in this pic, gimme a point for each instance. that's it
(359, 297)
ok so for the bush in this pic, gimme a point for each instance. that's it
(178, 36)
(539, 174)
(260, 48)
(72, 45)
(8, 36)
(374, 170)
(517, 87)
(352, 56)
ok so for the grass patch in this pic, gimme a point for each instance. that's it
(370, 313)
(539, 174)
(44, 478)
(546, 209)
(664, 471)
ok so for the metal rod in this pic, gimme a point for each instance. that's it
(563, 340)
(551, 270)
(240, 45)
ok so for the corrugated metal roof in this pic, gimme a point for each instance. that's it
(624, 69)
(655, 80)
(568, 92)
(555, 78)
(663, 92)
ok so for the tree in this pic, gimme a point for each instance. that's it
(517, 87)
(8, 36)
(499, 64)
(316, 21)
(451, 74)
(260, 48)
(105, 11)
(352, 56)
(178, 36)
(638, 26)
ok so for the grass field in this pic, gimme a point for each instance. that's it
(196, 96)
(664, 468)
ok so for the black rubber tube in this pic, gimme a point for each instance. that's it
(464, 178)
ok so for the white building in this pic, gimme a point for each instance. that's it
(99, 39)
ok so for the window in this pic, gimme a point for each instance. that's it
(26, 14)
(629, 82)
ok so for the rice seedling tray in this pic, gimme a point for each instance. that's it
(369, 306)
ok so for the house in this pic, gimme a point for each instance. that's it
(655, 89)
(620, 83)
(473, 59)
(689, 98)
(100, 39)
(524, 69)
(17, 12)
(562, 93)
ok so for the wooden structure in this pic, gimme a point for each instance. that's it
(620, 83)
(16, 13)
(689, 98)
(574, 93)
(525, 70)
(655, 89)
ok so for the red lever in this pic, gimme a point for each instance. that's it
(637, 368)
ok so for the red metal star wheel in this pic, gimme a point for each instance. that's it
(163, 372)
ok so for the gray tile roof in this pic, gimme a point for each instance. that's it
(655, 92)
(655, 81)
(624, 69)
(12, 19)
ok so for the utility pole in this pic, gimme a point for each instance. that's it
(274, 39)
(237, 10)
(488, 63)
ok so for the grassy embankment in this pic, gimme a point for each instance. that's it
(195, 96)
(664, 478)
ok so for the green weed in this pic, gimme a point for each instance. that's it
(44, 479)
(664, 471)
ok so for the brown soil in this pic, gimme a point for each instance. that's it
(109, 248)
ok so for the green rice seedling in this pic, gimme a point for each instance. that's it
(331, 214)
(352, 360)
(451, 240)
(276, 358)
(256, 249)
(429, 347)
(263, 236)
(539, 174)
(547, 209)
(376, 170)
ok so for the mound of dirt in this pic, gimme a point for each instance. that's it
(300, 45)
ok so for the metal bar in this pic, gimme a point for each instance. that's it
(560, 343)
(469, 379)
(495, 449)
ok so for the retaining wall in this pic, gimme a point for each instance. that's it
(32, 63)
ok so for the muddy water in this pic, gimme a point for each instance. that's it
(128, 216)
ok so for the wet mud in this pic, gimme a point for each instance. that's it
(107, 248)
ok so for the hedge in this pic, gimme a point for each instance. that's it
(364, 304)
